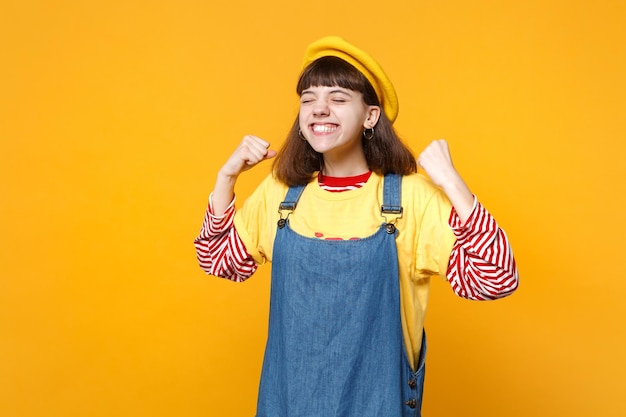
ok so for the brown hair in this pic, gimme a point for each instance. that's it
(385, 153)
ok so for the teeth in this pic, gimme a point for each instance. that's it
(324, 128)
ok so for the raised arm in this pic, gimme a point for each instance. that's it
(482, 266)
(437, 163)
(219, 249)
(250, 152)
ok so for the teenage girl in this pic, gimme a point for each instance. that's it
(354, 234)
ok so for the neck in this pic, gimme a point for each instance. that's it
(350, 166)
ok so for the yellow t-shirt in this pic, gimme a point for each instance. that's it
(424, 241)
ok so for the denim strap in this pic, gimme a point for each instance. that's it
(392, 194)
(292, 197)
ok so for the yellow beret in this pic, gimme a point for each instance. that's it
(338, 47)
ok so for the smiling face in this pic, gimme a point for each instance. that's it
(336, 103)
(332, 120)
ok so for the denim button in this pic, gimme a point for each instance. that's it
(412, 403)
(412, 383)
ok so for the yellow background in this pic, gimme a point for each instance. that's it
(115, 117)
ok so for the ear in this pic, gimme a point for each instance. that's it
(373, 114)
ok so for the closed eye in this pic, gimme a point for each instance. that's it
(339, 96)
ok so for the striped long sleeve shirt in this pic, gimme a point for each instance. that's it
(481, 265)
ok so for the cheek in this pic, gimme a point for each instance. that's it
(302, 117)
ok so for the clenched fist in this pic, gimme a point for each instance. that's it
(437, 163)
(250, 152)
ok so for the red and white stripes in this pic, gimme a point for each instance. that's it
(220, 250)
(482, 266)
(339, 184)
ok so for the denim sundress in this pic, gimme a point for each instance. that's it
(335, 345)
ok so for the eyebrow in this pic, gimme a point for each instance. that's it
(337, 90)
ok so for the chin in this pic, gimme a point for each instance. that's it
(318, 147)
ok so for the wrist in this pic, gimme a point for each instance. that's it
(460, 197)
(225, 177)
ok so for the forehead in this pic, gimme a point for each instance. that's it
(331, 72)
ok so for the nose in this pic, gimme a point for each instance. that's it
(320, 108)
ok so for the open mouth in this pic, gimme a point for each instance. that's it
(323, 128)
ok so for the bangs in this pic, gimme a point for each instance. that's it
(330, 71)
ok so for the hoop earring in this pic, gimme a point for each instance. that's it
(368, 133)
(300, 134)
